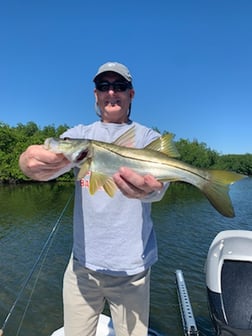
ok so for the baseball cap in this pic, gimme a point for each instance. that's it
(114, 67)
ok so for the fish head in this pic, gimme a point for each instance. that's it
(76, 151)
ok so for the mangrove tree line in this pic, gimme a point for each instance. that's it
(14, 140)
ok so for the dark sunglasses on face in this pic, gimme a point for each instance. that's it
(116, 86)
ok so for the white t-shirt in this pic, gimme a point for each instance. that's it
(113, 235)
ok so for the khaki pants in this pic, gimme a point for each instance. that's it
(84, 295)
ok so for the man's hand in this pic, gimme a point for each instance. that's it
(40, 164)
(134, 185)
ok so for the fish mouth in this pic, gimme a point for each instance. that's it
(82, 155)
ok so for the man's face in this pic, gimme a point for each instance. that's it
(113, 101)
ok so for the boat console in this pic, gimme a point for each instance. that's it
(229, 282)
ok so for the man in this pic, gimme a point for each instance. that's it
(114, 242)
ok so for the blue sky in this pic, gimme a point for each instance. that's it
(191, 62)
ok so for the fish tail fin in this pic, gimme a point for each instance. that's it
(217, 190)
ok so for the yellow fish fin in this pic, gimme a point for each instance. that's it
(216, 190)
(165, 145)
(84, 169)
(110, 187)
(127, 139)
(98, 180)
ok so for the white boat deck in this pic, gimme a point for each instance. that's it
(105, 328)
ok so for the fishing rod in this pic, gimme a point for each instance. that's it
(44, 248)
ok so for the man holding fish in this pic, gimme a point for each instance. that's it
(120, 167)
(114, 242)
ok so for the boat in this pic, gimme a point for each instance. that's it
(229, 282)
(228, 271)
(105, 328)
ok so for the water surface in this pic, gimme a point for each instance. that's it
(185, 225)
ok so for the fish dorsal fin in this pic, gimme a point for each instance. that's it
(165, 145)
(127, 139)
(98, 180)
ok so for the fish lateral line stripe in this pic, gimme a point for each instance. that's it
(132, 157)
(114, 150)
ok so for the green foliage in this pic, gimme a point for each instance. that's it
(15, 140)
(239, 163)
(196, 154)
(199, 155)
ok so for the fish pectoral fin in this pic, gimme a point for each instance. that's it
(98, 180)
(84, 169)
(165, 145)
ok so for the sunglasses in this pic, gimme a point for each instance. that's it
(116, 86)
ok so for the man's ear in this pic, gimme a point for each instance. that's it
(132, 93)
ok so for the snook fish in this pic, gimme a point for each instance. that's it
(103, 159)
